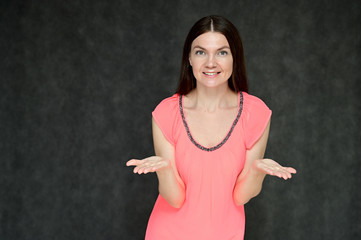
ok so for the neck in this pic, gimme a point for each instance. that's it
(212, 99)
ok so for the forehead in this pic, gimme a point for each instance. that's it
(210, 39)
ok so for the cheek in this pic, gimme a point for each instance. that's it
(228, 65)
(196, 65)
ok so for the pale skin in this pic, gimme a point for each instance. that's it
(211, 105)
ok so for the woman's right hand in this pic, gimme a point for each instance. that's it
(149, 164)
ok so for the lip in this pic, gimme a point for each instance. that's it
(211, 74)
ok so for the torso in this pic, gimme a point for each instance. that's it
(208, 172)
(209, 211)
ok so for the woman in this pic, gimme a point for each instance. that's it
(209, 140)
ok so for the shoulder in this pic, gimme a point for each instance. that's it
(168, 104)
(255, 118)
(251, 99)
(251, 102)
(165, 116)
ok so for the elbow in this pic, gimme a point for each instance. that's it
(242, 200)
(176, 203)
(175, 197)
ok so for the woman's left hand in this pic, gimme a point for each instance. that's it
(271, 167)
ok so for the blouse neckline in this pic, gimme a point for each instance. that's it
(210, 149)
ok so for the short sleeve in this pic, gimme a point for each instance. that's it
(256, 116)
(165, 115)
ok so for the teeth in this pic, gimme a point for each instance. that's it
(211, 74)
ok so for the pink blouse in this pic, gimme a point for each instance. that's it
(209, 174)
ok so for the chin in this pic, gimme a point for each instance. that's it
(214, 84)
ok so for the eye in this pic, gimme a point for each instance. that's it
(200, 52)
(223, 53)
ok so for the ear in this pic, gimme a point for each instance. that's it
(190, 62)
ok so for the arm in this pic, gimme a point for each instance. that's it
(171, 186)
(249, 182)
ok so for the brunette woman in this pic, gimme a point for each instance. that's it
(209, 138)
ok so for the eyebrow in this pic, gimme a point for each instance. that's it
(197, 46)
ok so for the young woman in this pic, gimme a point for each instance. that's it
(209, 139)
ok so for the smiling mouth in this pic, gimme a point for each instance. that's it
(212, 73)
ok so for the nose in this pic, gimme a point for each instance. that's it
(211, 61)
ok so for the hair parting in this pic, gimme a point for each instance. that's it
(212, 27)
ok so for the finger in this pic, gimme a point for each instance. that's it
(291, 170)
(150, 170)
(147, 168)
(283, 173)
(136, 170)
(142, 168)
(286, 174)
(280, 173)
(133, 162)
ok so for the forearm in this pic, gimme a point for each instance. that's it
(248, 186)
(170, 188)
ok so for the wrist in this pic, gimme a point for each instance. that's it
(255, 169)
(165, 171)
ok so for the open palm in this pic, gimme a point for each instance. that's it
(149, 164)
(273, 168)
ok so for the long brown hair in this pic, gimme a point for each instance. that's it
(238, 80)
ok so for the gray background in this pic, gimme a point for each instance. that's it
(79, 80)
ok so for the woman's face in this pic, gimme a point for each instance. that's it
(211, 59)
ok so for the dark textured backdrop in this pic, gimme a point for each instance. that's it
(79, 80)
